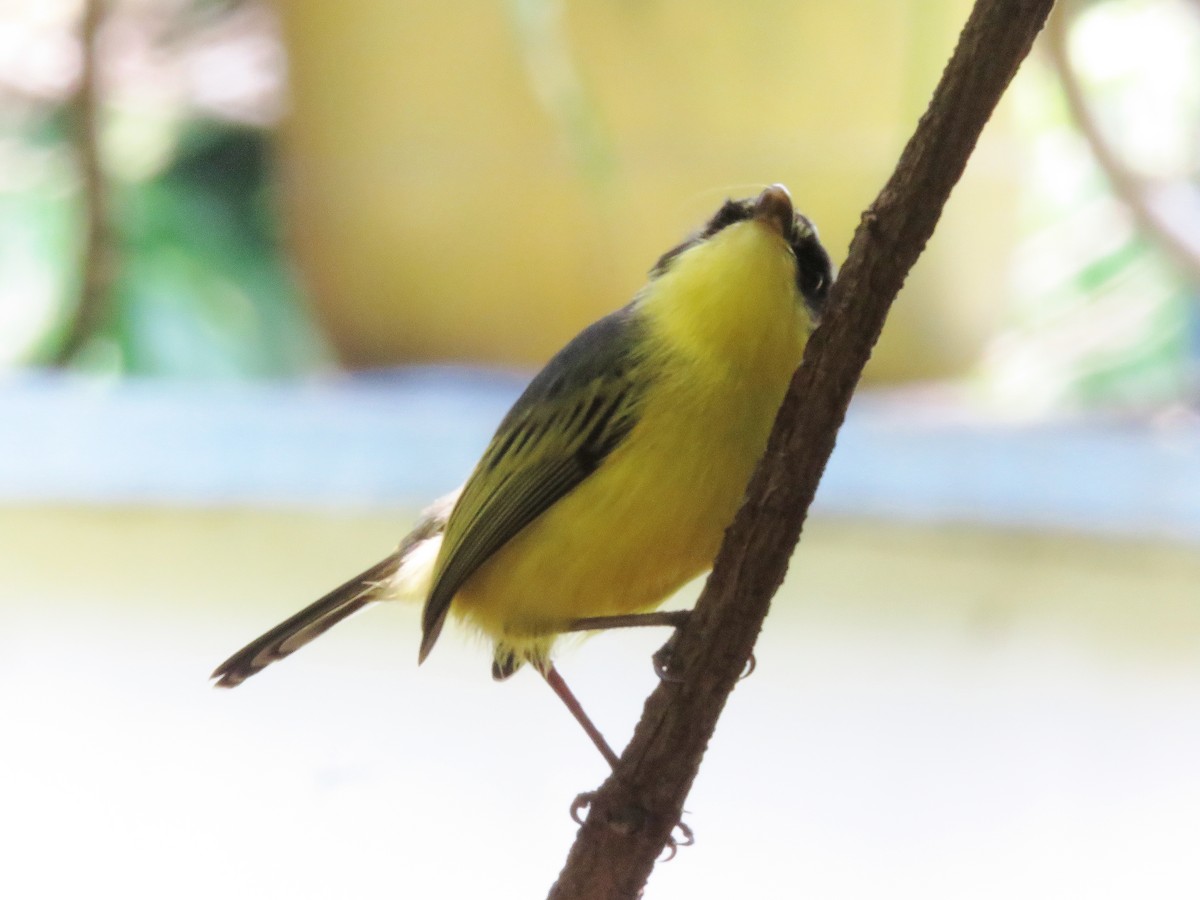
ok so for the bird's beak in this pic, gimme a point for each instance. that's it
(774, 208)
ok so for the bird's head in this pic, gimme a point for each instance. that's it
(771, 208)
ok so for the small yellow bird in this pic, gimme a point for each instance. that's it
(611, 481)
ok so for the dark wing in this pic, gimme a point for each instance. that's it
(574, 413)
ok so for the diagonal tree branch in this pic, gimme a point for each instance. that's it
(631, 817)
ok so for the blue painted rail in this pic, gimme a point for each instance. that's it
(400, 438)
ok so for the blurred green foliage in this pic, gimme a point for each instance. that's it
(1101, 315)
(38, 237)
(199, 281)
(203, 286)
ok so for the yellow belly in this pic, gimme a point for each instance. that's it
(647, 521)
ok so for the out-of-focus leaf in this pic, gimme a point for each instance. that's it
(203, 287)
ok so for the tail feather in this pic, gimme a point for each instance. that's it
(405, 573)
(311, 622)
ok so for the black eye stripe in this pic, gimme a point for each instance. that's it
(814, 271)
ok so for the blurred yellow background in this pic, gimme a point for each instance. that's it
(456, 173)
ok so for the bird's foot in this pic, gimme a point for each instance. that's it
(686, 838)
(579, 804)
(633, 819)
(663, 656)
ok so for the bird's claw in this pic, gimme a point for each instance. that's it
(579, 804)
(687, 837)
(662, 662)
(662, 656)
(751, 665)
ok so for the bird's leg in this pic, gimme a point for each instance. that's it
(559, 686)
(675, 618)
(564, 694)
(672, 619)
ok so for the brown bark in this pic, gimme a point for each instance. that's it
(630, 818)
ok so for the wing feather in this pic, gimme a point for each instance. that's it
(576, 411)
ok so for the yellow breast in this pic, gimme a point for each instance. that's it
(725, 334)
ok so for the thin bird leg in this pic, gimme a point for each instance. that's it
(673, 619)
(564, 694)
(550, 673)
(662, 657)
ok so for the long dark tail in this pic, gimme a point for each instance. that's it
(312, 621)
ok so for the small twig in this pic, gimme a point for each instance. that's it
(1129, 187)
(610, 859)
(97, 258)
